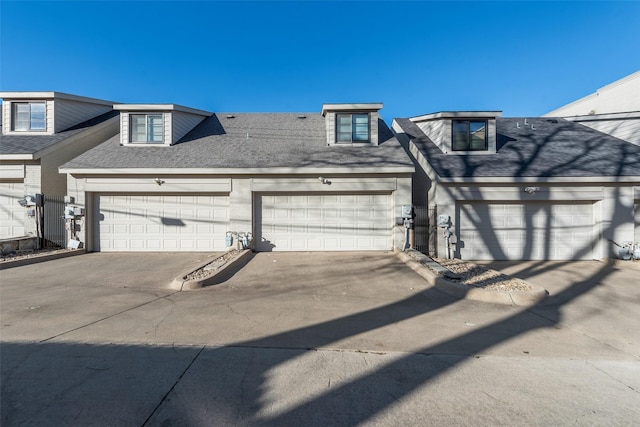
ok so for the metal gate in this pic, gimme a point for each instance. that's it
(54, 232)
(425, 230)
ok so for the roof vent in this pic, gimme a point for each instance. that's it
(302, 116)
(230, 116)
(552, 121)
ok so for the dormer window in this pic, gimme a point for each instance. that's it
(352, 128)
(147, 128)
(469, 135)
(29, 116)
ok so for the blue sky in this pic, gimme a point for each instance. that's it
(417, 57)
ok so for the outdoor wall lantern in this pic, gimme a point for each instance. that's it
(531, 190)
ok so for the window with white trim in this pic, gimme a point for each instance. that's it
(146, 128)
(352, 128)
(29, 116)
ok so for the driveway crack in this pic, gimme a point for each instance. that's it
(108, 317)
(166, 395)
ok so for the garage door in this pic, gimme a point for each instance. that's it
(165, 223)
(532, 231)
(11, 213)
(328, 222)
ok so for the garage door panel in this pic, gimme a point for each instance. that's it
(162, 222)
(536, 231)
(330, 222)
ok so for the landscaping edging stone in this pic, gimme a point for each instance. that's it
(519, 298)
(217, 276)
(40, 258)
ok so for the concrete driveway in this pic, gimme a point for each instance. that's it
(307, 338)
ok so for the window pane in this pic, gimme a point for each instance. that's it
(360, 127)
(478, 131)
(155, 128)
(138, 128)
(37, 116)
(21, 119)
(344, 127)
(459, 137)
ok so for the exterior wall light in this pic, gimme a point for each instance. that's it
(531, 190)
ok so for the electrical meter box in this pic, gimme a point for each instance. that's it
(407, 211)
(31, 200)
(443, 220)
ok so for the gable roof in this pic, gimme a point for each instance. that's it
(16, 144)
(553, 148)
(253, 142)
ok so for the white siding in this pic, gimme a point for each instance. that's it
(434, 129)
(182, 123)
(6, 117)
(620, 96)
(636, 209)
(626, 129)
(70, 113)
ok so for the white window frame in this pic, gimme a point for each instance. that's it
(16, 124)
(148, 124)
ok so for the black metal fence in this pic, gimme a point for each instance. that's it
(425, 230)
(54, 232)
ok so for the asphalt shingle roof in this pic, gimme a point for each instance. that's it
(554, 148)
(31, 144)
(249, 140)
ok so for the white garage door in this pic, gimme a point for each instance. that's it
(328, 222)
(11, 213)
(164, 223)
(532, 231)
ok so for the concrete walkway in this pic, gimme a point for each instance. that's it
(311, 339)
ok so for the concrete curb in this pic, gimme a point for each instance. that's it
(36, 259)
(520, 298)
(220, 275)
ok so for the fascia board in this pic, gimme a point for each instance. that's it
(14, 96)
(542, 179)
(600, 117)
(160, 107)
(237, 171)
(457, 114)
(16, 157)
(371, 106)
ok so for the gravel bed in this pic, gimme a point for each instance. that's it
(213, 266)
(482, 277)
(35, 254)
